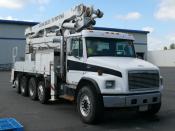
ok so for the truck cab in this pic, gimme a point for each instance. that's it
(108, 60)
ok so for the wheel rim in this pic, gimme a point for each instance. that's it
(85, 105)
(40, 92)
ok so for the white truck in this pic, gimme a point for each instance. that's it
(66, 58)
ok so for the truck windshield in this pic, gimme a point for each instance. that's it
(109, 47)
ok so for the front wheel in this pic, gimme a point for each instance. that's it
(89, 105)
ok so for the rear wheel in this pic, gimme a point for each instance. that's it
(24, 86)
(17, 84)
(43, 93)
(89, 105)
(33, 88)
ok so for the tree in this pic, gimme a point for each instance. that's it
(172, 46)
(165, 48)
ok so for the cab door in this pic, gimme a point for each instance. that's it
(75, 61)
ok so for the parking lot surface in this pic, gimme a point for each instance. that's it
(62, 115)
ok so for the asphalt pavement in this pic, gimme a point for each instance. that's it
(62, 115)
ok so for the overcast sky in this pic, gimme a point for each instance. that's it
(156, 16)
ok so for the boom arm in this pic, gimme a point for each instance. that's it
(51, 32)
(75, 20)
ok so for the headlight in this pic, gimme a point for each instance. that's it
(110, 84)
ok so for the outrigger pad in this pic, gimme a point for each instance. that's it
(10, 124)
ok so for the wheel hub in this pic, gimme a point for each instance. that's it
(85, 105)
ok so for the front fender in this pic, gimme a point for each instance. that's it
(100, 82)
(91, 80)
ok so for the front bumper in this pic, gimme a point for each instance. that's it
(131, 100)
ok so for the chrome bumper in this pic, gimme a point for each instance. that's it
(131, 100)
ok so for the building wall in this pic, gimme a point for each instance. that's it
(6, 47)
(141, 48)
(11, 35)
(140, 38)
(12, 30)
(162, 58)
(140, 43)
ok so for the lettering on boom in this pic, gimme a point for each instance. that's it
(58, 17)
(51, 20)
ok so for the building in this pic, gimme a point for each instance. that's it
(12, 35)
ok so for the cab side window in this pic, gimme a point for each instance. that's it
(77, 47)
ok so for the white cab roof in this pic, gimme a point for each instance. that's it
(106, 34)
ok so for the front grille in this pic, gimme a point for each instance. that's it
(139, 80)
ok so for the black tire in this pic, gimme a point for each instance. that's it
(43, 93)
(17, 84)
(24, 86)
(33, 88)
(89, 105)
(152, 109)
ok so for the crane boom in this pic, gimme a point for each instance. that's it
(75, 20)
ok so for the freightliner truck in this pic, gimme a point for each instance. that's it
(66, 58)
